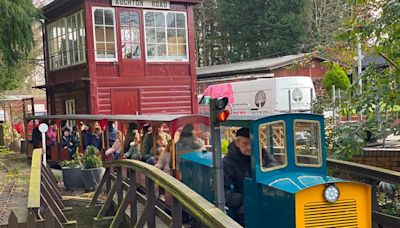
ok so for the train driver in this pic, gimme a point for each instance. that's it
(237, 166)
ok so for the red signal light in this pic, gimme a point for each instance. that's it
(222, 116)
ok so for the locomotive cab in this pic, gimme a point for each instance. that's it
(289, 186)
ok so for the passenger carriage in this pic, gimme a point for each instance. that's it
(173, 124)
(289, 185)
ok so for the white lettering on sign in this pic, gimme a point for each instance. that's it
(142, 4)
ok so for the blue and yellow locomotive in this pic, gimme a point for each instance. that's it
(292, 189)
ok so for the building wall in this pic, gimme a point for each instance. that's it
(78, 92)
(315, 70)
(383, 158)
(162, 87)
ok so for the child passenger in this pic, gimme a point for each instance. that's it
(116, 148)
(69, 142)
(163, 150)
(133, 152)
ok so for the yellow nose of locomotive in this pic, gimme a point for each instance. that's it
(343, 204)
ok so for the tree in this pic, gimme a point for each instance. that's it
(210, 45)
(16, 40)
(336, 76)
(324, 20)
(376, 25)
(261, 29)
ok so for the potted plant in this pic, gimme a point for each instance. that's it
(92, 170)
(71, 172)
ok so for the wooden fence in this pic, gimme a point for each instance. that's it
(183, 198)
(45, 206)
(373, 176)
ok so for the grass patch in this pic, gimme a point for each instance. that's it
(14, 167)
(58, 176)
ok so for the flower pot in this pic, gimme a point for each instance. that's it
(91, 178)
(72, 177)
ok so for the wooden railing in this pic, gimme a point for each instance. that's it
(183, 198)
(372, 176)
(45, 207)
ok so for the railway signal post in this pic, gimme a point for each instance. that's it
(218, 114)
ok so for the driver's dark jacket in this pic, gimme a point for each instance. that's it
(236, 167)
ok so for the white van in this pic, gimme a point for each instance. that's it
(263, 96)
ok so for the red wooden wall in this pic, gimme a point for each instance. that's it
(159, 87)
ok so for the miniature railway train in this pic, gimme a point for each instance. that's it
(292, 191)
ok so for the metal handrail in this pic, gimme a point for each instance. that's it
(373, 175)
(34, 182)
(203, 210)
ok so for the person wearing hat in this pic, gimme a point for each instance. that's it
(188, 141)
(237, 166)
(68, 143)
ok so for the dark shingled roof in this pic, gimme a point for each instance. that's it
(249, 66)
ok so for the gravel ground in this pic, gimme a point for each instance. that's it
(14, 183)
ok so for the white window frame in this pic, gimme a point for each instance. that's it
(68, 104)
(166, 36)
(131, 41)
(78, 15)
(98, 59)
(70, 109)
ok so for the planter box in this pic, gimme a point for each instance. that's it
(91, 178)
(72, 177)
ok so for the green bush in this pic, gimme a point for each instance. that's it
(345, 140)
(92, 158)
(72, 163)
(336, 76)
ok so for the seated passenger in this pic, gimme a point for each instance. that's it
(86, 135)
(237, 166)
(130, 136)
(134, 147)
(112, 133)
(68, 143)
(96, 139)
(269, 159)
(161, 140)
(116, 148)
(147, 145)
(51, 138)
(164, 151)
(188, 142)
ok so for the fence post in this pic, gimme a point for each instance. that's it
(290, 103)
(311, 100)
(340, 106)
(334, 104)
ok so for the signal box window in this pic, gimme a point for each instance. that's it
(66, 40)
(130, 35)
(104, 29)
(307, 144)
(166, 36)
(272, 138)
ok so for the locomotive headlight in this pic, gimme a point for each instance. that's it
(331, 193)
